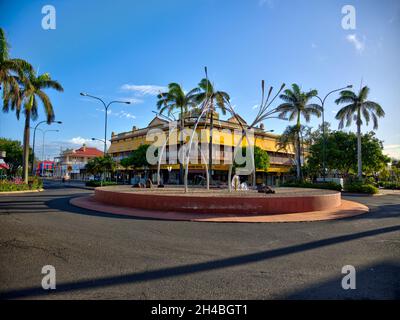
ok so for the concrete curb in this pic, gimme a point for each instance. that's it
(17, 192)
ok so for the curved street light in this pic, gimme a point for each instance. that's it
(34, 138)
(106, 106)
(323, 126)
(44, 133)
(94, 139)
(101, 140)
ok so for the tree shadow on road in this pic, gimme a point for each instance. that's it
(188, 269)
(377, 281)
(63, 204)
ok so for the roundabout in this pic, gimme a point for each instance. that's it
(171, 203)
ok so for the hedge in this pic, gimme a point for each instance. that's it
(390, 185)
(34, 183)
(322, 185)
(94, 183)
(359, 187)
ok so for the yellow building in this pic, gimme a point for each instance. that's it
(226, 134)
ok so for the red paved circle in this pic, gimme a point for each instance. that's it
(286, 200)
(346, 209)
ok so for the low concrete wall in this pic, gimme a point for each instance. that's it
(220, 204)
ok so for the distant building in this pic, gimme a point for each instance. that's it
(281, 161)
(71, 162)
(45, 168)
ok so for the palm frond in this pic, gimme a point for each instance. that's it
(363, 94)
(374, 107)
(4, 46)
(48, 107)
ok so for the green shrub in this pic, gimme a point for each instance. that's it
(323, 185)
(94, 183)
(8, 186)
(17, 184)
(390, 185)
(360, 187)
(35, 183)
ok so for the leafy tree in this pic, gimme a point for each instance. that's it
(138, 157)
(372, 154)
(93, 166)
(126, 162)
(261, 158)
(341, 153)
(14, 152)
(296, 105)
(358, 107)
(101, 165)
(384, 174)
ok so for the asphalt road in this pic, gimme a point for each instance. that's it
(100, 256)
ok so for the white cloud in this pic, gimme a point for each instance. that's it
(124, 114)
(269, 3)
(133, 100)
(392, 150)
(77, 142)
(143, 89)
(358, 44)
(255, 106)
(120, 114)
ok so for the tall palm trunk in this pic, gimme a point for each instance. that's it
(210, 146)
(180, 146)
(298, 149)
(25, 164)
(359, 160)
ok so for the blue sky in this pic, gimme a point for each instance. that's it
(128, 49)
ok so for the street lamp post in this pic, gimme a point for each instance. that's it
(34, 137)
(94, 139)
(106, 106)
(44, 133)
(323, 127)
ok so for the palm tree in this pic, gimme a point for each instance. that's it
(357, 107)
(31, 93)
(11, 74)
(176, 98)
(296, 104)
(288, 140)
(216, 99)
